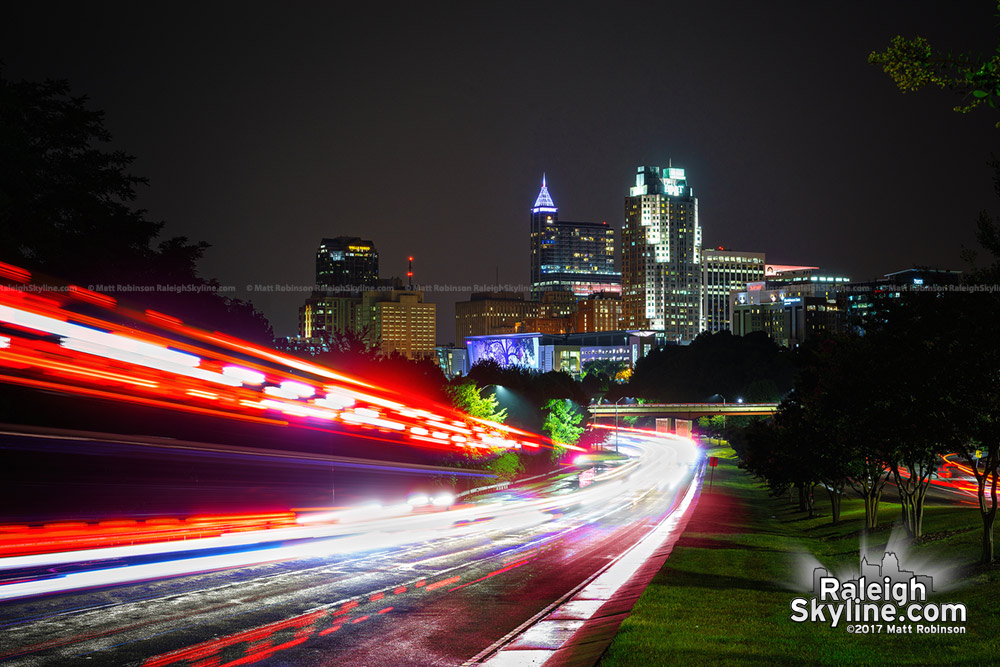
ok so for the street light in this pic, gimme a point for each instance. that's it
(623, 398)
(739, 399)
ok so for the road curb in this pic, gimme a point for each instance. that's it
(578, 628)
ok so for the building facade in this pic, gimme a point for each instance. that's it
(661, 255)
(791, 307)
(322, 316)
(864, 303)
(722, 273)
(400, 321)
(488, 313)
(599, 312)
(346, 264)
(578, 257)
(453, 361)
(542, 353)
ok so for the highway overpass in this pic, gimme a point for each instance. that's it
(680, 410)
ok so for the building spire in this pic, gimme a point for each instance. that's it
(544, 199)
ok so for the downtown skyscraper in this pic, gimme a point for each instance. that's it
(346, 263)
(577, 257)
(661, 255)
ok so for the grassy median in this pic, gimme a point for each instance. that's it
(723, 596)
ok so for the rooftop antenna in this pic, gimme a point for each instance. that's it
(409, 272)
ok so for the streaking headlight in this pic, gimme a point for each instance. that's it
(444, 500)
(418, 499)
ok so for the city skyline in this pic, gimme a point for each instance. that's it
(798, 146)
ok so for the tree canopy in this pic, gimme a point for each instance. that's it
(467, 398)
(914, 64)
(562, 421)
(751, 367)
(67, 211)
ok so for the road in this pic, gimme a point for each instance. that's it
(382, 587)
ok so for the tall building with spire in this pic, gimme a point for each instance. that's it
(570, 256)
(661, 255)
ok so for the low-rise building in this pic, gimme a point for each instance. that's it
(452, 360)
(599, 312)
(542, 353)
(862, 302)
(791, 307)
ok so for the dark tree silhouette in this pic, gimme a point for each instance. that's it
(66, 211)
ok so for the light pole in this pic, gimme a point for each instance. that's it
(616, 420)
(723, 412)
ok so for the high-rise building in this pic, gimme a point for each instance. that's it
(400, 321)
(661, 255)
(346, 264)
(323, 315)
(573, 256)
(722, 273)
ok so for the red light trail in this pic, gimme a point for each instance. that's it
(51, 339)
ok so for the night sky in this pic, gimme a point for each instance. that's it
(264, 127)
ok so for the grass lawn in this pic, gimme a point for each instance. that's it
(723, 596)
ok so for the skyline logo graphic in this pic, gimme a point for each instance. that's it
(885, 598)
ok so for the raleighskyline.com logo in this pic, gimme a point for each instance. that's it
(883, 600)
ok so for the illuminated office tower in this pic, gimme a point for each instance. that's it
(724, 272)
(346, 263)
(323, 316)
(570, 256)
(400, 321)
(661, 255)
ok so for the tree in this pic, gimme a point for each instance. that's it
(774, 452)
(605, 367)
(713, 426)
(988, 237)
(505, 465)
(843, 405)
(60, 192)
(66, 211)
(962, 364)
(978, 365)
(719, 363)
(913, 384)
(562, 423)
(467, 398)
(972, 396)
(914, 64)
